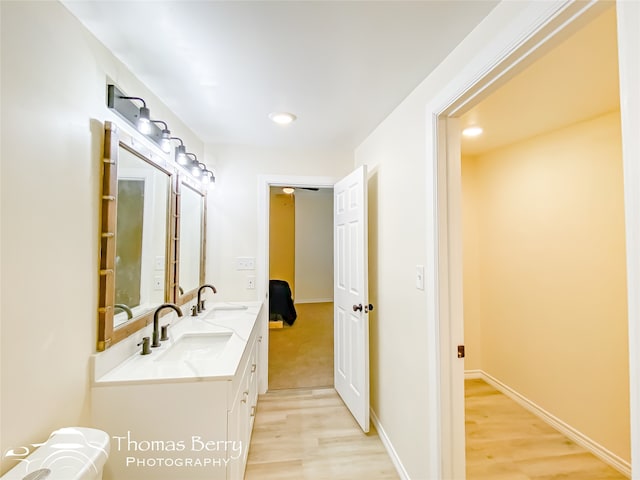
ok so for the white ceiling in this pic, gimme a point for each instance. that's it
(223, 66)
(575, 81)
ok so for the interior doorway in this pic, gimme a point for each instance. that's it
(544, 266)
(541, 30)
(301, 268)
(350, 285)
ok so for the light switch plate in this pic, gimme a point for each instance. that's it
(251, 282)
(158, 283)
(159, 263)
(245, 263)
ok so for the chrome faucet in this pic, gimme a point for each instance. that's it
(199, 302)
(156, 332)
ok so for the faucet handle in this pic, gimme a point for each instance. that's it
(164, 335)
(146, 348)
(194, 311)
(202, 305)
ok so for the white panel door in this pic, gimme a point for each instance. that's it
(351, 295)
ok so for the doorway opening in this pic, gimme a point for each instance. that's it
(301, 287)
(350, 283)
(544, 267)
(498, 65)
(265, 185)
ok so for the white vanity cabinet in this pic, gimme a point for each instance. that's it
(242, 413)
(170, 425)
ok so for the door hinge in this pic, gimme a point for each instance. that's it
(460, 351)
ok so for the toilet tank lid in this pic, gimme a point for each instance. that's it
(68, 451)
(90, 436)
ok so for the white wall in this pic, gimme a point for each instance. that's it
(396, 155)
(53, 90)
(314, 246)
(233, 204)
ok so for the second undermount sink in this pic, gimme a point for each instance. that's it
(196, 347)
(230, 307)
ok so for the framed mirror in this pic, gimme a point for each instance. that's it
(190, 232)
(137, 206)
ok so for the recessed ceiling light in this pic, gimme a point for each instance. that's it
(288, 190)
(472, 131)
(282, 118)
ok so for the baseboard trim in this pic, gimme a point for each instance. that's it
(473, 374)
(315, 300)
(578, 437)
(388, 446)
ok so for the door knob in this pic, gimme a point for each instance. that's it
(368, 308)
(357, 308)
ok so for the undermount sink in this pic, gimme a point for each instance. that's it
(230, 307)
(225, 312)
(195, 347)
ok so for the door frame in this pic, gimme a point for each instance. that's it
(541, 27)
(265, 182)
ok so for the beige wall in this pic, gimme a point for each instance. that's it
(544, 227)
(314, 245)
(53, 88)
(282, 238)
(471, 208)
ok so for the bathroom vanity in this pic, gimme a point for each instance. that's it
(186, 410)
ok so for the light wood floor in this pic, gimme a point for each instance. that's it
(505, 441)
(308, 434)
(301, 355)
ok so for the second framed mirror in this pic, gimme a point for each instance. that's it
(190, 236)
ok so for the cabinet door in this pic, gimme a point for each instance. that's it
(253, 388)
(238, 419)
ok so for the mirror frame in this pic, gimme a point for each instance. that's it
(186, 181)
(114, 139)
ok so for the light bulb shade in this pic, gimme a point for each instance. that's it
(181, 155)
(196, 171)
(212, 178)
(144, 121)
(165, 141)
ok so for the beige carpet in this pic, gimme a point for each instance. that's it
(301, 356)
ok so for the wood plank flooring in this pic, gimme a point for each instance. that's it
(506, 441)
(308, 434)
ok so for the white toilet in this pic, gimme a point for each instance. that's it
(72, 453)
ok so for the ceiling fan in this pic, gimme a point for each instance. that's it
(291, 190)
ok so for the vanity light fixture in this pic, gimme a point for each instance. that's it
(144, 115)
(144, 119)
(165, 139)
(194, 166)
(139, 117)
(282, 118)
(181, 152)
(473, 131)
(209, 178)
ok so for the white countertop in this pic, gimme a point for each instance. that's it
(218, 318)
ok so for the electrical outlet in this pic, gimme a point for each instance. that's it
(251, 282)
(245, 263)
(158, 283)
